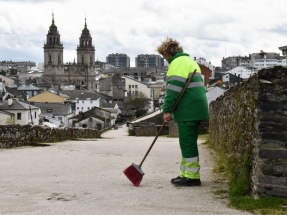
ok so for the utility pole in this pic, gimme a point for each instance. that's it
(31, 115)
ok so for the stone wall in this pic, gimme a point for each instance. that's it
(146, 130)
(248, 125)
(24, 135)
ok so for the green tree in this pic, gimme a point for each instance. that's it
(138, 102)
(9, 121)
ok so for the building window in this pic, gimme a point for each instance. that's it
(129, 86)
(82, 108)
(88, 108)
(19, 116)
(133, 86)
(35, 114)
(60, 118)
(136, 86)
(77, 108)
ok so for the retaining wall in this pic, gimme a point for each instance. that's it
(249, 125)
(24, 135)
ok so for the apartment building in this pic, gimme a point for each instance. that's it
(149, 60)
(118, 60)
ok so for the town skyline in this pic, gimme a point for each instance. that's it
(209, 30)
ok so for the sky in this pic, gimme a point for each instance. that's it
(209, 29)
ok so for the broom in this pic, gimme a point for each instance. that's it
(134, 172)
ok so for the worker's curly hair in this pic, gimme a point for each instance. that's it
(169, 47)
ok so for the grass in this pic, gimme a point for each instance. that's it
(236, 190)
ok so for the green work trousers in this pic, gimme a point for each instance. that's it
(188, 134)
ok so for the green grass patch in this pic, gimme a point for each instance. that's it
(233, 182)
(263, 205)
(204, 137)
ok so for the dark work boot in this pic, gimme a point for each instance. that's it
(186, 182)
(178, 177)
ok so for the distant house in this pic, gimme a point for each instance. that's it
(29, 89)
(113, 86)
(96, 118)
(241, 72)
(213, 93)
(133, 86)
(14, 93)
(230, 80)
(8, 81)
(6, 117)
(24, 113)
(57, 114)
(85, 100)
(47, 97)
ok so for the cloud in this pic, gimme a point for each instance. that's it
(208, 29)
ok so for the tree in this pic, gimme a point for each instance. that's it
(138, 102)
(9, 121)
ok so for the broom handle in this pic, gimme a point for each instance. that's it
(190, 76)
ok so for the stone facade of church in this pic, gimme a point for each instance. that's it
(80, 73)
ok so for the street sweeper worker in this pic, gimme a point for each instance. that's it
(191, 109)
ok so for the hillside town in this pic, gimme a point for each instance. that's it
(88, 93)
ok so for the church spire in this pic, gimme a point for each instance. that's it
(53, 22)
(85, 23)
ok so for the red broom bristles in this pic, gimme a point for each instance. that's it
(134, 174)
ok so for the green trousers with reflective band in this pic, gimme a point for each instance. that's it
(188, 134)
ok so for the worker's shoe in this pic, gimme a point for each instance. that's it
(186, 182)
(177, 178)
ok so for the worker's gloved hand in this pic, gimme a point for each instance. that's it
(166, 117)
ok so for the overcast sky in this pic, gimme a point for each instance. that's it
(211, 29)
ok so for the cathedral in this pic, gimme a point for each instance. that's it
(82, 73)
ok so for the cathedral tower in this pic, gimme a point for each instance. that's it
(53, 51)
(85, 49)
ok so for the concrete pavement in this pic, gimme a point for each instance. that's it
(85, 178)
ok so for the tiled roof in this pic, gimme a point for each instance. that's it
(82, 94)
(28, 87)
(56, 109)
(16, 105)
(15, 92)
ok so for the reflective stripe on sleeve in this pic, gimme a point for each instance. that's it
(195, 84)
(174, 88)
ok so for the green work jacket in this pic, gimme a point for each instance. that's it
(193, 105)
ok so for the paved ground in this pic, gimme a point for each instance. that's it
(85, 178)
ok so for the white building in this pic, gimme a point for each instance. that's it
(213, 93)
(133, 86)
(86, 104)
(266, 59)
(24, 113)
(241, 72)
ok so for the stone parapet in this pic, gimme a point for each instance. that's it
(248, 125)
(24, 135)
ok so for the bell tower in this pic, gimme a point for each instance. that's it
(85, 49)
(53, 51)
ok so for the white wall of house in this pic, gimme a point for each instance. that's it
(241, 72)
(4, 117)
(133, 86)
(85, 105)
(22, 117)
(213, 93)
